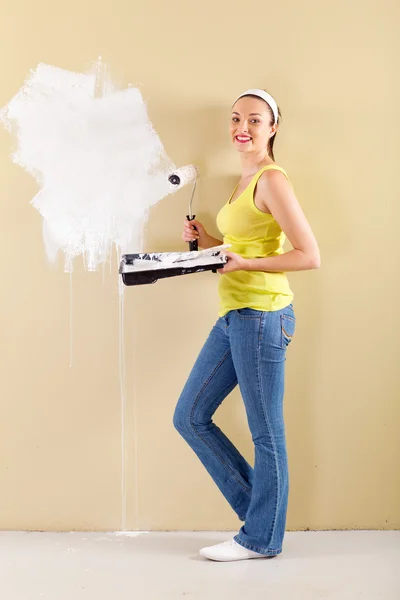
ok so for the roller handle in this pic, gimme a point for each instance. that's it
(193, 245)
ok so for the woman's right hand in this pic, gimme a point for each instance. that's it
(190, 235)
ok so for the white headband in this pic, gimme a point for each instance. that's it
(265, 96)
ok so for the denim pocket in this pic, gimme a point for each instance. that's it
(249, 313)
(288, 327)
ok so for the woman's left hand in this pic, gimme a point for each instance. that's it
(235, 263)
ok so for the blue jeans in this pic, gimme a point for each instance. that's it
(245, 347)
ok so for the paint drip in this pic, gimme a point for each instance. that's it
(122, 385)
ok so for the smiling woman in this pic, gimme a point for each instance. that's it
(248, 344)
(269, 115)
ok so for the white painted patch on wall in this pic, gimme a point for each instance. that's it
(98, 161)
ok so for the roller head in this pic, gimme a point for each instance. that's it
(183, 176)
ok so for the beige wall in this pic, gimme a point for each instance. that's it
(331, 66)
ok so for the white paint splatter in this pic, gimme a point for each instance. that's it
(97, 158)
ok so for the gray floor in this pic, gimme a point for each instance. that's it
(359, 565)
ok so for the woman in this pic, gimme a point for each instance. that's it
(247, 345)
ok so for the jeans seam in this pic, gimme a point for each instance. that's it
(284, 334)
(289, 337)
(196, 400)
(290, 318)
(259, 385)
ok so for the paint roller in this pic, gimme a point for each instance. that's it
(144, 268)
(182, 177)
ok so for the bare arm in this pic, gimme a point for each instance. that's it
(274, 194)
(211, 242)
(200, 234)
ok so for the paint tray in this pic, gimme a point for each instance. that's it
(141, 269)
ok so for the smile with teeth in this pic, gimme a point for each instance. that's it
(243, 138)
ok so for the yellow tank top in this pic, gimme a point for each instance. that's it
(252, 234)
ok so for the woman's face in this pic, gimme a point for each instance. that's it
(251, 125)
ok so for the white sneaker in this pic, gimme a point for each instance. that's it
(229, 551)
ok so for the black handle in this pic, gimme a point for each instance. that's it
(193, 245)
